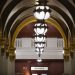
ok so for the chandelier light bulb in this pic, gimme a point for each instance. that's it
(40, 28)
(39, 39)
(39, 60)
(38, 45)
(39, 31)
(37, 2)
(42, 12)
(39, 51)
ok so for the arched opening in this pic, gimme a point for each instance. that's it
(31, 21)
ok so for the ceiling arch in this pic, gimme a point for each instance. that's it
(74, 1)
(62, 24)
(14, 16)
(19, 15)
(7, 10)
(14, 3)
(32, 19)
(68, 20)
(69, 6)
(64, 15)
(2, 3)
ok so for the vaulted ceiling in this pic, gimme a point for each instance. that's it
(14, 12)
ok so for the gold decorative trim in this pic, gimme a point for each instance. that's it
(12, 53)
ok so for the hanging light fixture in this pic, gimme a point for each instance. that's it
(40, 41)
(39, 44)
(40, 38)
(40, 28)
(39, 51)
(42, 10)
(39, 60)
(36, 2)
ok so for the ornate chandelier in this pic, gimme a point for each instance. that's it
(40, 28)
(41, 13)
(42, 10)
(40, 41)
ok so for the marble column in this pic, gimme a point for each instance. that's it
(11, 61)
(0, 63)
(67, 62)
(73, 56)
(3, 65)
(67, 67)
(73, 64)
(11, 67)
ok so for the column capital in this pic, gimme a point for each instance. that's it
(0, 34)
(72, 49)
(11, 48)
(7, 49)
(2, 41)
(2, 44)
(66, 48)
(12, 53)
(72, 45)
(66, 53)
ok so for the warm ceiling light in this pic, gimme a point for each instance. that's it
(63, 52)
(40, 28)
(37, 2)
(42, 12)
(39, 49)
(39, 60)
(39, 45)
(40, 38)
